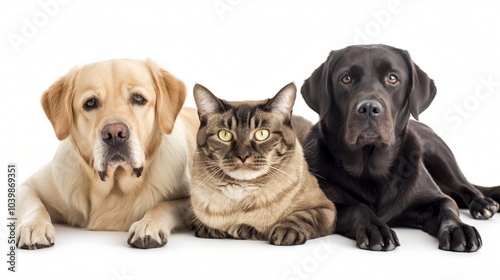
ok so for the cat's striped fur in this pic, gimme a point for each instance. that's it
(249, 188)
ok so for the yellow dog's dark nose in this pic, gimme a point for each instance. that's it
(114, 134)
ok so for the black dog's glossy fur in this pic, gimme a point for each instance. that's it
(379, 168)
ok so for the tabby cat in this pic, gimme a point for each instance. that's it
(250, 179)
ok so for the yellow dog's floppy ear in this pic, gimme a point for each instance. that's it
(56, 102)
(170, 96)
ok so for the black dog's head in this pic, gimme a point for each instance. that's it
(365, 94)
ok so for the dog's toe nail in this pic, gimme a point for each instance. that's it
(487, 213)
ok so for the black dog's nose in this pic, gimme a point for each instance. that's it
(369, 107)
(114, 134)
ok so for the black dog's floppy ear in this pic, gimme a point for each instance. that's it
(421, 90)
(312, 87)
(316, 88)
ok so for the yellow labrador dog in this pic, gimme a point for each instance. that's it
(125, 160)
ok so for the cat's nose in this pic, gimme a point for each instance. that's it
(243, 154)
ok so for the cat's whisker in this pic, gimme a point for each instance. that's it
(205, 164)
(207, 178)
(297, 167)
(316, 174)
(288, 165)
(284, 175)
(279, 178)
(309, 145)
(279, 170)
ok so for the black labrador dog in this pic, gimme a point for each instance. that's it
(379, 168)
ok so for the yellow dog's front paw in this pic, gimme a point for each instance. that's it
(35, 235)
(148, 233)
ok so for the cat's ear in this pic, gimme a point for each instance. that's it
(284, 100)
(206, 102)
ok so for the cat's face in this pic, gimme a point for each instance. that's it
(245, 140)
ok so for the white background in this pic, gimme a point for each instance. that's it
(249, 50)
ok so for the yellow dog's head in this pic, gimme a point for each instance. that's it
(115, 112)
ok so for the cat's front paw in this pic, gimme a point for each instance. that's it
(148, 233)
(35, 235)
(285, 234)
(203, 231)
(245, 231)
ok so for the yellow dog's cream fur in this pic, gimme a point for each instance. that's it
(69, 189)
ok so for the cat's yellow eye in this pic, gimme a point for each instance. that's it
(225, 135)
(262, 134)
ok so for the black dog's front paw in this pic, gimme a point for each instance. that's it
(459, 238)
(377, 238)
(483, 208)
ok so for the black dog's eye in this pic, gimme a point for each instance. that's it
(392, 79)
(90, 104)
(346, 79)
(138, 99)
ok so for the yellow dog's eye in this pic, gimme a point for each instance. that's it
(225, 135)
(138, 99)
(262, 134)
(90, 104)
